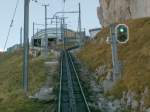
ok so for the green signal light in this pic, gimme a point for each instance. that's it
(122, 33)
(121, 30)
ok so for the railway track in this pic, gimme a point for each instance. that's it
(71, 95)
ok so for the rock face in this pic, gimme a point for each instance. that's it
(119, 10)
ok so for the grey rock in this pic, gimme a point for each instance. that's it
(135, 105)
(119, 10)
(107, 85)
(96, 88)
(147, 110)
(44, 94)
(116, 103)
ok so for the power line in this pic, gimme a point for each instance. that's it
(11, 24)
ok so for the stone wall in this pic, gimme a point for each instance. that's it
(119, 10)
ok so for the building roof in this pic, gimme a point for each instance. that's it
(51, 33)
(95, 29)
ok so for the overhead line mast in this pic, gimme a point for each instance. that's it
(26, 47)
(46, 35)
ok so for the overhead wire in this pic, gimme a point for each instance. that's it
(11, 24)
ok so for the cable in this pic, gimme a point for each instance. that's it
(11, 24)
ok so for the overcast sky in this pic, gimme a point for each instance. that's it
(89, 16)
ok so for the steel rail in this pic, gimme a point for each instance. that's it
(79, 82)
(60, 82)
(70, 85)
(71, 95)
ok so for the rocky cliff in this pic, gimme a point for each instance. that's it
(119, 10)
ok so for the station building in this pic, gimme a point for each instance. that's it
(55, 37)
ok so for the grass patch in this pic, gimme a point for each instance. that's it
(12, 98)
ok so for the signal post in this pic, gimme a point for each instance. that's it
(119, 35)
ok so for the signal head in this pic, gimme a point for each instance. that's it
(122, 33)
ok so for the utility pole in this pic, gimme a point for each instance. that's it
(114, 52)
(56, 18)
(37, 35)
(21, 37)
(57, 21)
(46, 36)
(80, 26)
(57, 28)
(33, 29)
(66, 31)
(26, 47)
(32, 40)
(79, 35)
(62, 31)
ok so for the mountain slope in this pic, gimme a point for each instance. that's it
(12, 98)
(135, 56)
